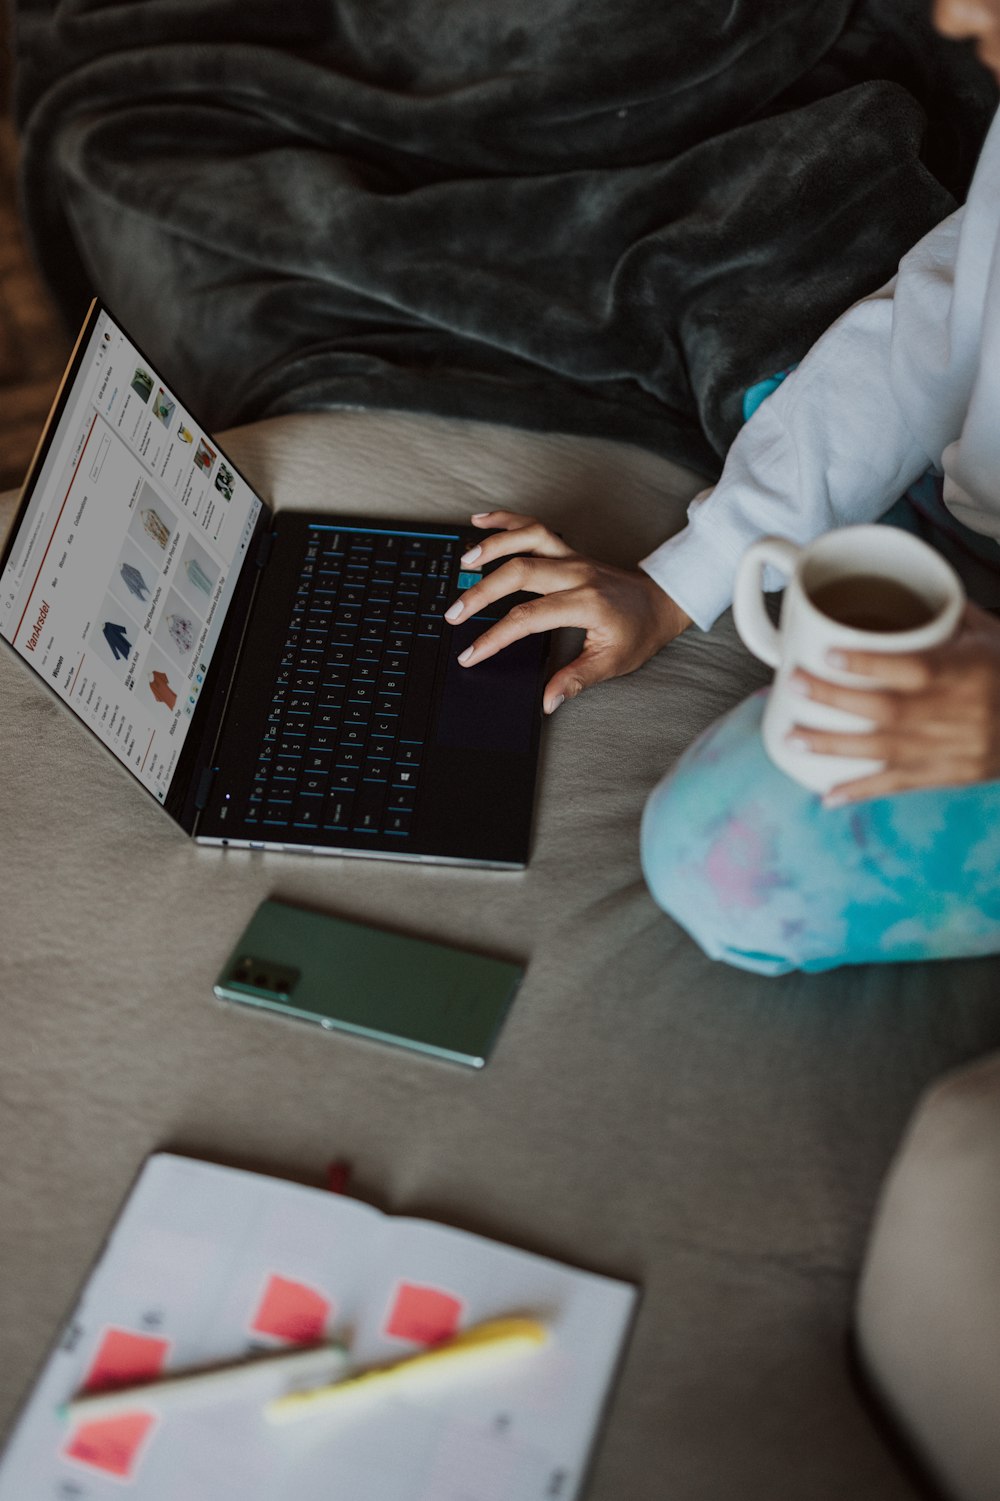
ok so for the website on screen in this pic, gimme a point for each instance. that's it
(126, 559)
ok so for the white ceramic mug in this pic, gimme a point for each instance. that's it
(806, 633)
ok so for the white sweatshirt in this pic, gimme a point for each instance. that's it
(906, 379)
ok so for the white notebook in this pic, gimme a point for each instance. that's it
(209, 1264)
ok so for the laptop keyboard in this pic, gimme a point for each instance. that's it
(348, 720)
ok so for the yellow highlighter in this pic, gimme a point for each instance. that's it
(476, 1349)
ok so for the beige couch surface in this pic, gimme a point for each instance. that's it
(716, 1137)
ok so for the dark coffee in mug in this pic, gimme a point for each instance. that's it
(872, 602)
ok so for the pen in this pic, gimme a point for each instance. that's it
(193, 1384)
(474, 1349)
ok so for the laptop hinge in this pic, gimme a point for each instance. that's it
(204, 786)
(264, 549)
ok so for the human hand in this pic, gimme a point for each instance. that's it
(626, 616)
(935, 714)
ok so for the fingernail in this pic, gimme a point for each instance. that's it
(797, 742)
(454, 612)
(466, 655)
(836, 658)
(471, 555)
(481, 515)
(553, 706)
(799, 685)
(835, 799)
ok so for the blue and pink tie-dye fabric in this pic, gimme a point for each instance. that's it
(766, 878)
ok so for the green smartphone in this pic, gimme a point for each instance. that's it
(352, 978)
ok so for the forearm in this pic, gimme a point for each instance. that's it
(832, 446)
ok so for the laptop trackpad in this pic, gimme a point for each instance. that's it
(491, 706)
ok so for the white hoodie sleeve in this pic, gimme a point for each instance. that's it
(838, 442)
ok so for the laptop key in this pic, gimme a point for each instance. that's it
(338, 812)
(369, 802)
(319, 740)
(381, 745)
(420, 687)
(308, 813)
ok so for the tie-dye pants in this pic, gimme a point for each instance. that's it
(766, 878)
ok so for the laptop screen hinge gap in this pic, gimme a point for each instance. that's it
(264, 549)
(204, 787)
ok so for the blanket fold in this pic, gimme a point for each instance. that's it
(605, 216)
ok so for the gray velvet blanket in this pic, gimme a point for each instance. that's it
(608, 216)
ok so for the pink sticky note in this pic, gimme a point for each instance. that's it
(425, 1315)
(291, 1310)
(123, 1357)
(111, 1444)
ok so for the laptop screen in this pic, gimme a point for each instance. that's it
(125, 556)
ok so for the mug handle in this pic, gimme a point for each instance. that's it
(752, 619)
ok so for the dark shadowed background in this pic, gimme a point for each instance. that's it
(33, 344)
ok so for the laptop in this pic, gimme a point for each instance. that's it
(279, 681)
